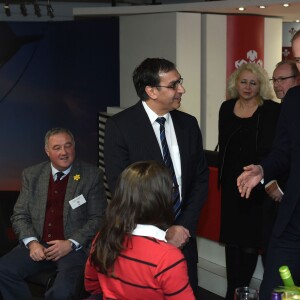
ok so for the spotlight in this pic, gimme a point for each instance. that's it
(23, 9)
(37, 10)
(50, 11)
(7, 8)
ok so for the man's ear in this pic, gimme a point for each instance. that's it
(151, 91)
(47, 151)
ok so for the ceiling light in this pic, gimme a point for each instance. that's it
(285, 5)
(297, 21)
(241, 8)
(262, 6)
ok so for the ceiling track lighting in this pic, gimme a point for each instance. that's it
(23, 9)
(50, 11)
(7, 8)
(37, 9)
(24, 5)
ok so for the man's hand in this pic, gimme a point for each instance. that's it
(273, 190)
(36, 250)
(251, 176)
(178, 236)
(57, 249)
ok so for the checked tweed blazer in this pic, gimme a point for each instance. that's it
(80, 224)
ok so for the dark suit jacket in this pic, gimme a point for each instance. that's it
(285, 156)
(80, 224)
(129, 137)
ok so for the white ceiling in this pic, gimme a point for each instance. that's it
(273, 8)
(68, 10)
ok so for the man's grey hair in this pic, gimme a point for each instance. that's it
(55, 131)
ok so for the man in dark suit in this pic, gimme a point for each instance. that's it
(56, 216)
(284, 247)
(134, 135)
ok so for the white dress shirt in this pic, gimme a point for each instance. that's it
(171, 140)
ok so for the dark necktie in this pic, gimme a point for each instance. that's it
(169, 164)
(59, 175)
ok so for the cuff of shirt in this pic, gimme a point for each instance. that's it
(26, 241)
(78, 246)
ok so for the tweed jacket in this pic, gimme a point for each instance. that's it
(80, 224)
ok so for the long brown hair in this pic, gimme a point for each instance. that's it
(143, 195)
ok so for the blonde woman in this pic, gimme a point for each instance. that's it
(247, 123)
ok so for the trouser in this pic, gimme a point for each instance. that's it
(17, 265)
(240, 265)
(191, 255)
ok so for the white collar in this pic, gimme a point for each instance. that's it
(152, 115)
(149, 230)
(54, 171)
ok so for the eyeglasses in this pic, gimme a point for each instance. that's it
(280, 80)
(174, 85)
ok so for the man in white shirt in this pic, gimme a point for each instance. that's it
(134, 135)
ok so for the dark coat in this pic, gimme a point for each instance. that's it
(285, 156)
(244, 141)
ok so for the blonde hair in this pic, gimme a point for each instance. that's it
(265, 91)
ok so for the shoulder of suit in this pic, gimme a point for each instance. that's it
(127, 112)
(291, 95)
(181, 114)
(38, 167)
(270, 106)
(80, 166)
(271, 103)
(295, 89)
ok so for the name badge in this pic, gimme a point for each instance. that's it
(78, 201)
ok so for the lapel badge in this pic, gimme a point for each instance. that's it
(76, 177)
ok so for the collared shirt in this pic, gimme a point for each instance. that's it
(171, 140)
(150, 231)
(55, 171)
